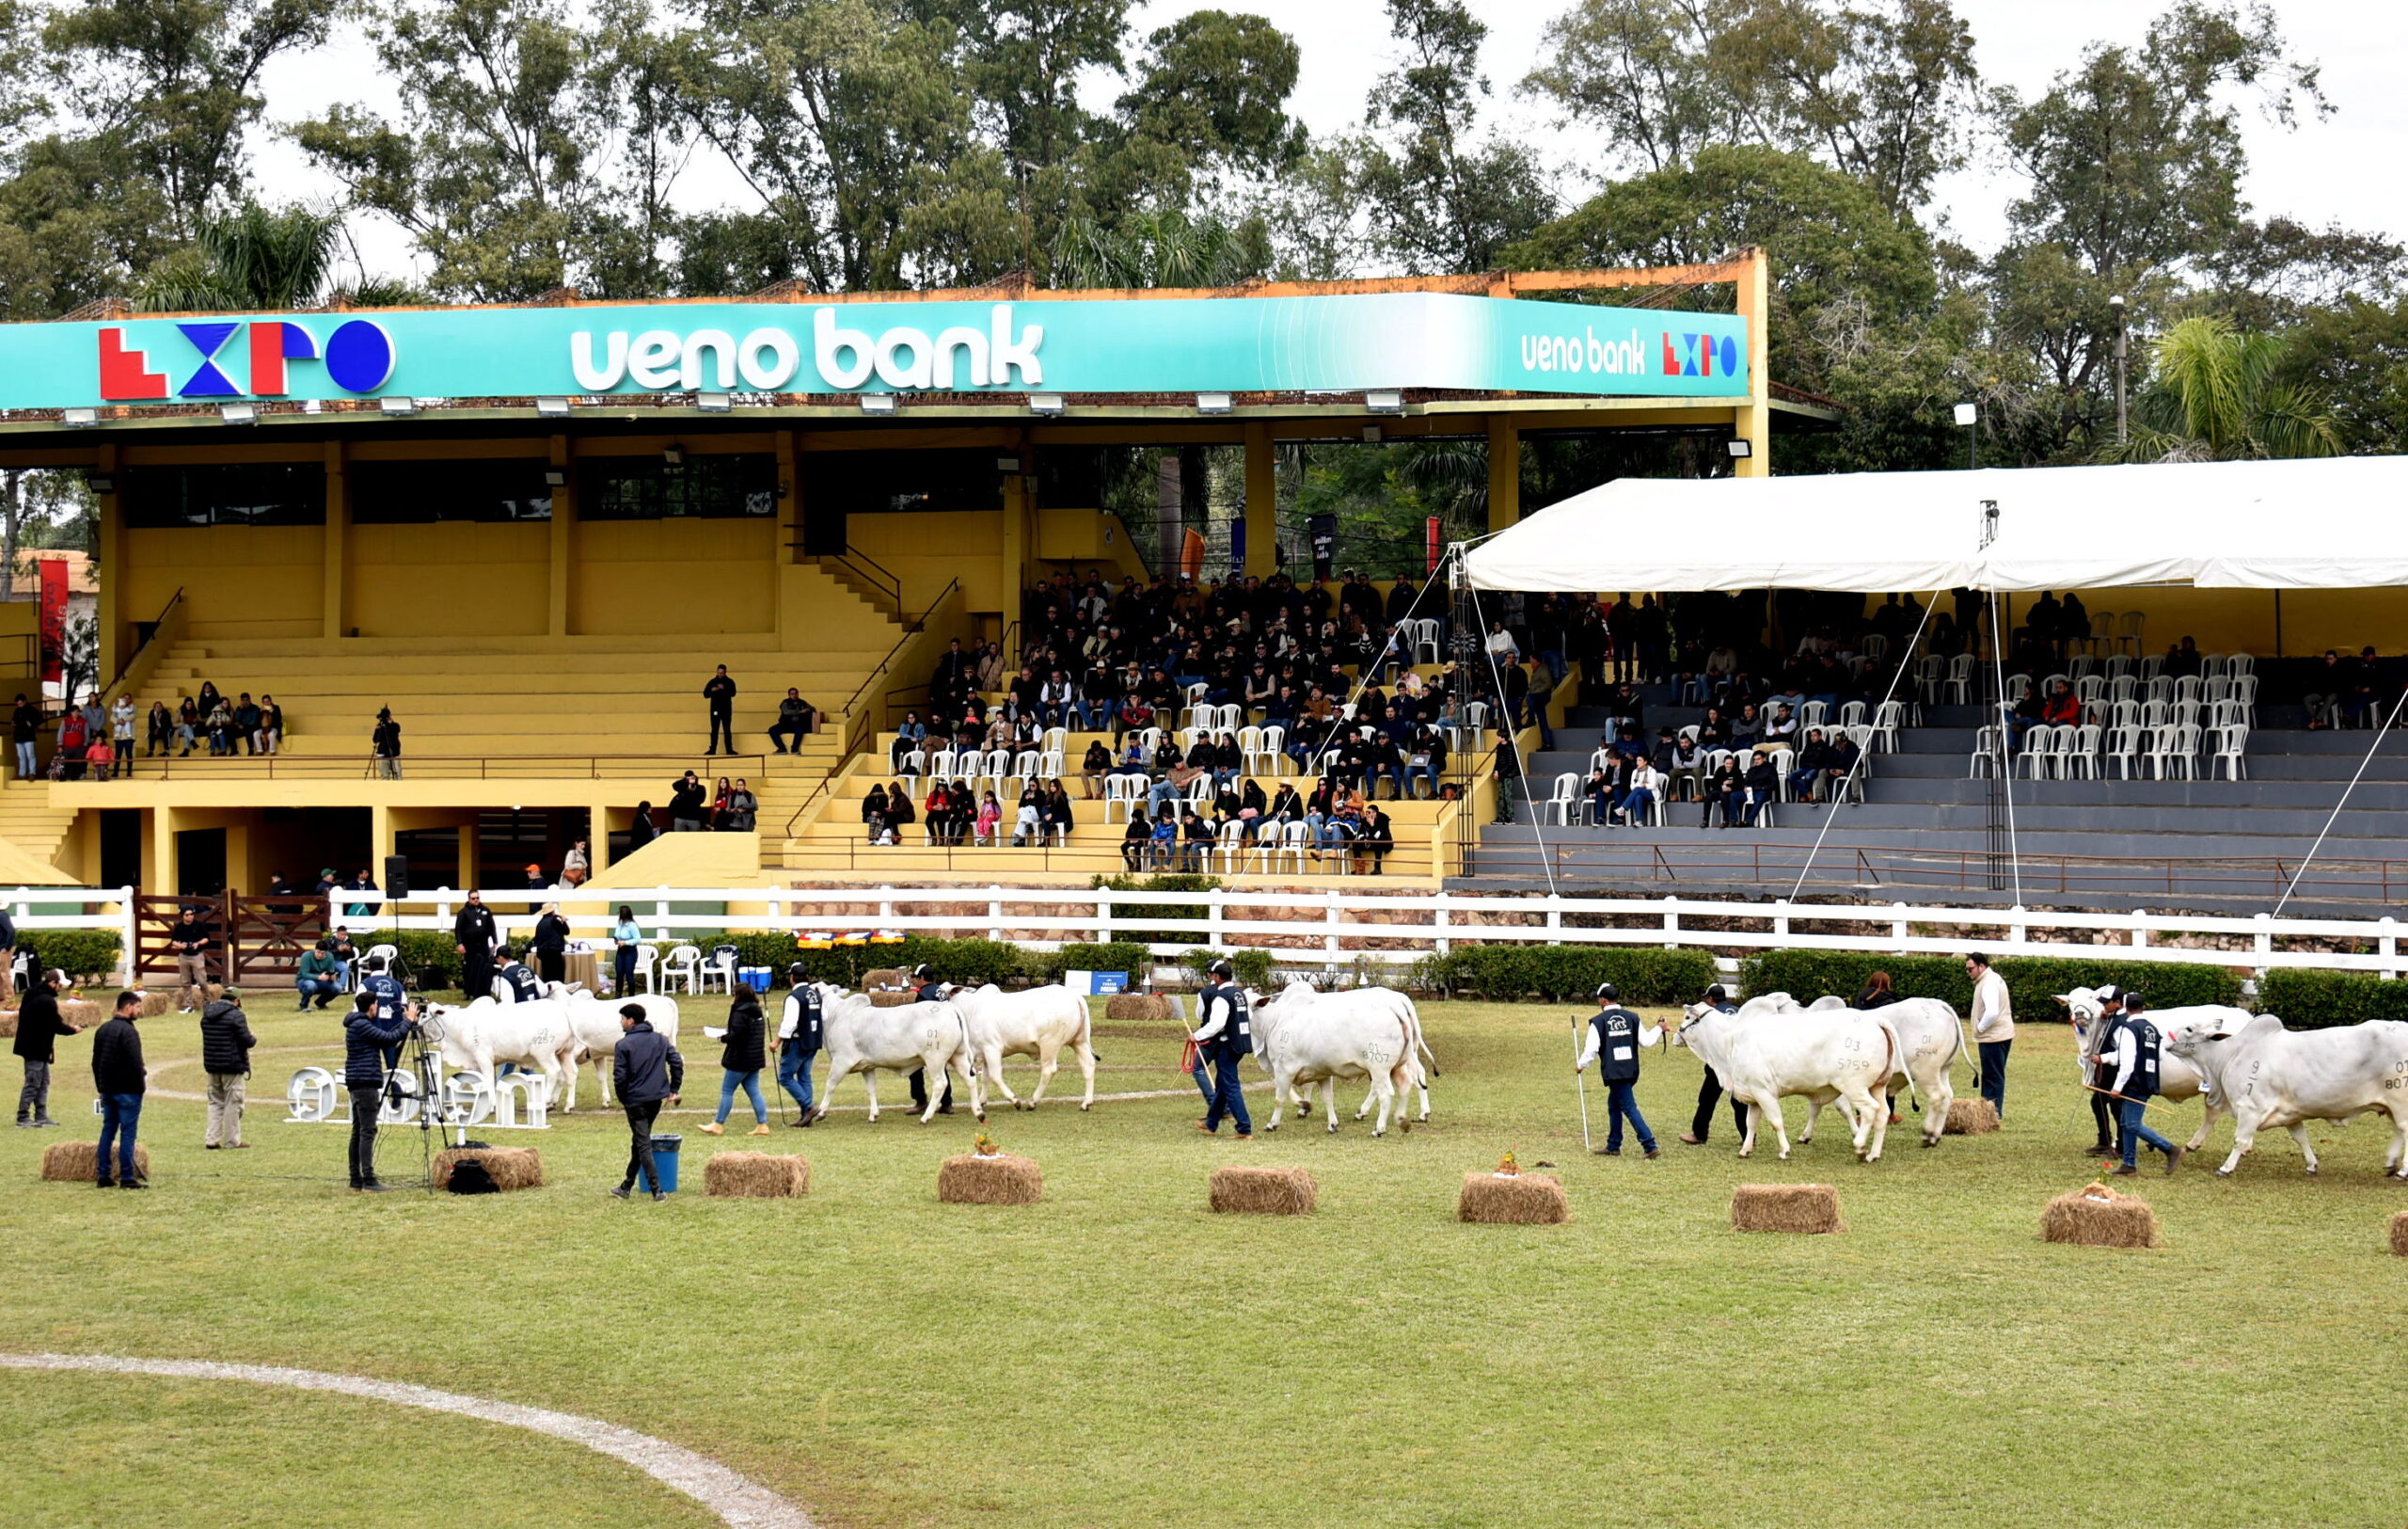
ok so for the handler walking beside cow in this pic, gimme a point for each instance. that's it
(1227, 1036)
(1615, 1035)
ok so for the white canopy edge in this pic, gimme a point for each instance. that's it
(2331, 523)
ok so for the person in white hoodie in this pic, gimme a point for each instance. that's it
(1993, 1028)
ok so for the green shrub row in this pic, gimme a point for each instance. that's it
(2313, 1000)
(1561, 972)
(83, 955)
(1251, 967)
(2032, 982)
(1119, 956)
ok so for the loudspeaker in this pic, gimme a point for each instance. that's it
(397, 875)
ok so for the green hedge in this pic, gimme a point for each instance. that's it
(1252, 967)
(1119, 956)
(2032, 982)
(2312, 1000)
(81, 953)
(1559, 972)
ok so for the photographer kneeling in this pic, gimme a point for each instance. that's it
(366, 1039)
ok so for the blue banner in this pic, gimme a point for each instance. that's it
(1234, 344)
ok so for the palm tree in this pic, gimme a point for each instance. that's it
(253, 259)
(2218, 395)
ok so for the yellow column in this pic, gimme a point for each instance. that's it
(338, 556)
(467, 877)
(1504, 473)
(381, 838)
(1016, 543)
(109, 547)
(598, 840)
(161, 881)
(1261, 503)
(1752, 422)
(564, 528)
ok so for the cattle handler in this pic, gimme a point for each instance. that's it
(1615, 1035)
(1227, 1036)
(927, 989)
(2138, 1047)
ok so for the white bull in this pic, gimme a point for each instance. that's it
(483, 1034)
(2177, 1077)
(2264, 1075)
(1930, 1039)
(1771, 1049)
(1037, 1023)
(595, 1022)
(860, 1037)
(1308, 1037)
(1425, 1065)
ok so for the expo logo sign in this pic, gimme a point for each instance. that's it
(1683, 354)
(359, 358)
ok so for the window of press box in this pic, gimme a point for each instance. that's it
(229, 494)
(700, 488)
(420, 492)
(891, 483)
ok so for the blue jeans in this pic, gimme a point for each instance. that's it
(1422, 772)
(325, 989)
(1164, 794)
(1229, 1097)
(119, 1113)
(623, 969)
(1096, 716)
(25, 761)
(1203, 1079)
(1994, 1073)
(2131, 1115)
(1637, 805)
(1621, 1101)
(794, 1075)
(750, 1080)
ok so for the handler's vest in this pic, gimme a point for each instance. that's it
(523, 982)
(2143, 1083)
(1237, 1037)
(1617, 1044)
(807, 1019)
(389, 997)
(930, 992)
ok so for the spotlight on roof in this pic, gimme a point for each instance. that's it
(1740, 448)
(715, 403)
(1968, 413)
(100, 483)
(1212, 403)
(878, 402)
(555, 478)
(238, 413)
(1007, 464)
(81, 417)
(1047, 403)
(398, 407)
(552, 409)
(1385, 401)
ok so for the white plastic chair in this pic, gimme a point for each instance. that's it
(2211, 666)
(1232, 846)
(915, 767)
(683, 965)
(1983, 762)
(1566, 800)
(2187, 687)
(1887, 719)
(2037, 759)
(1852, 714)
(1049, 765)
(1054, 740)
(2176, 754)
(2079, 761)
(2124, 751)
(1250, 745)
(2243, 665)
(2130, 638)
(1960, 680)
(1127, 793)
(2231, 745)
(940, 764)
(1274, 744)
(1293, 843)
(358, 968)
(2103, 632)
(2118, 667)
(720, 967)
(1813, 714)
(1931, 670)
(1427, 639)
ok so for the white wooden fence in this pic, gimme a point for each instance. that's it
(105, 909)
(1335, 926)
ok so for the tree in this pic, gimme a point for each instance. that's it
(1440, 197)
(34, 503)
(2219, 394)
(251, 260)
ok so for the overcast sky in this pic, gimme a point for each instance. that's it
(2345, 169)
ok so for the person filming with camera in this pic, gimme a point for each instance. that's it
(367, 1037)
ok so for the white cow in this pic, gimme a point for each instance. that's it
(2177, 1078)
(1930, 1039)
(1771, 1049)
(595, 1022)
(483, 1034)
(1425, 1065)
(861, 1037)
(1308, 1037)
(2264, 1075)
(1037, 1023)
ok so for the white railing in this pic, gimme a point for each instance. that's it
(1337, 926)
(106, 910)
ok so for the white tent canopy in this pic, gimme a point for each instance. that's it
(2334, 523)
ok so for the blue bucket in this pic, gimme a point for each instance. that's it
(664, 1161)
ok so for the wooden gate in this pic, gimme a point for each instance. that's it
(259, 939)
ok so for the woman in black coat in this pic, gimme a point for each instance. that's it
(551, 944)
(741, 1061)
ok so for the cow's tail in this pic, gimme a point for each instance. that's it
(1419, 1045)
(1400, 1076)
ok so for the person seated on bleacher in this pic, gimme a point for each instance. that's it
(1758, 786)
(1715, 789)
(1377, 837)
(991, 813)
(1196, 853)
(1838, 762)
(900, 813)
(2183, 658)
(1056, 700)
(2358, 704)
(1135, 840)
(794, 718)
(1425, 757)
(913, 734)
(874, 813)
(1639, 799)
(2062, 709)
(1599, 790)
(2328, 684)
(1028, 820)
(2022, 718)
(1715, 731)
(1163, 852)
(1059, 817)
(1809, 762)
(1781, 725)
(1381, 761)
(1094, 767)
(1229, 760)
(1178, 778)
(1136, 714)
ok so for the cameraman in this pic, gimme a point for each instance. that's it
(367, 1037)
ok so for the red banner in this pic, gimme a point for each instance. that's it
(1431, 536)
(54, 616)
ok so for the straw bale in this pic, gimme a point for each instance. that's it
(2400, 1233)
(1520, 1200)
(1138, 1006)
(891, 1000)
(1004, 1179)
(1970, 1117)
(885, 978)
(755, 1176)
(2097, 1216)
(77, 1162)
(156, 1002)
(513, 1168)
(1786, 1207)
(1264, 1191)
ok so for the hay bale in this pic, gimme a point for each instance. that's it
(885, 978)
(2400, 1233)
(156, 1003)
(78, 1162)
(1264, 1191)
(82, 1012)
(513, 1168)
(1515, 1200)
(755, 1176)
(2097, 1216)
(1970, 1117)
(1786, 1207)
(1003, 1179)
(1138, 1006)
(891, 1000)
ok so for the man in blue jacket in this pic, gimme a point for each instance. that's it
(367, 1036)
(646, 1072)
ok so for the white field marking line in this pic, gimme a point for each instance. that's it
(736, 1500)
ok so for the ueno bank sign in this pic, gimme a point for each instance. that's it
(903, 358)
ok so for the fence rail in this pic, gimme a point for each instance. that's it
(1338, 927)
(437, 766)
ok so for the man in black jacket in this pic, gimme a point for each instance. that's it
(645, 1072)
(365, 1038)
(472, 936)
(927, 989)
(719, 691)
(191, 938)
(118, 1078)
(686, 799)
(38, 1028)
(226, 1043)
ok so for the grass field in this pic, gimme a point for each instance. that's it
(1118, 1356)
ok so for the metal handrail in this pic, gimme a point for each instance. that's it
(873, 573)
(126, 664)
(855, 716)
